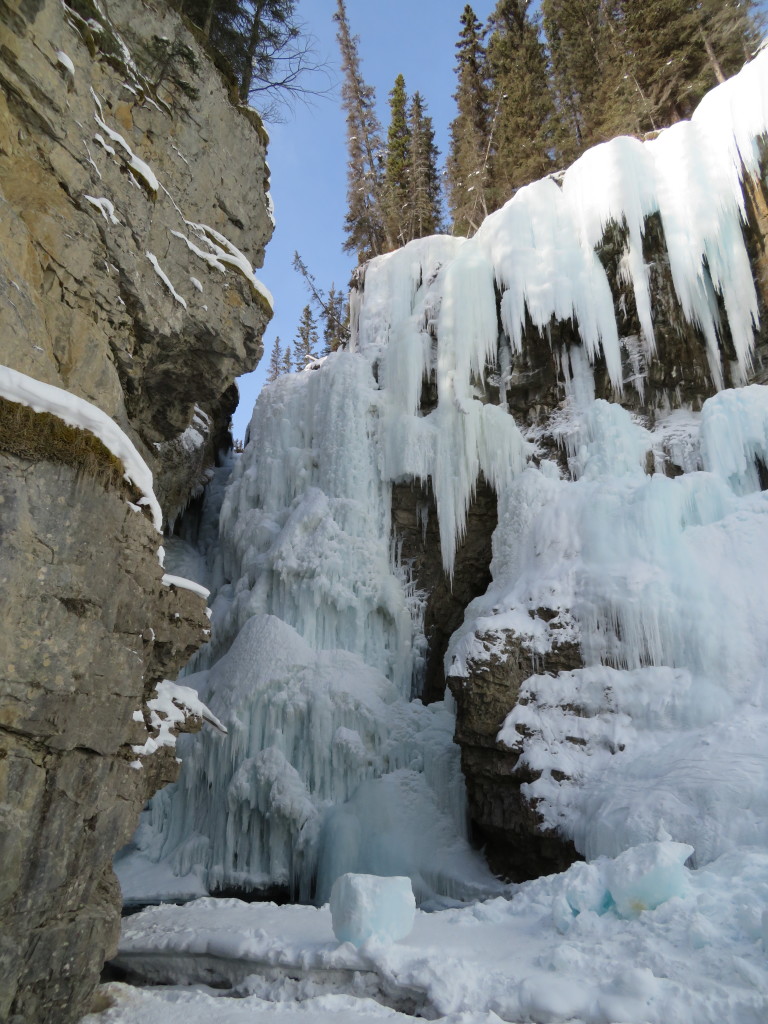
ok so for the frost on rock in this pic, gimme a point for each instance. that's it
(330, 767)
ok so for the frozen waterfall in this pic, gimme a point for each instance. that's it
(332, 764)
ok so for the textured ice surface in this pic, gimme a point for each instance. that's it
(657, 580)
(369, 907)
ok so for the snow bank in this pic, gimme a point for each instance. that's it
(18, 387)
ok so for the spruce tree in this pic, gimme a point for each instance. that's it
(468, 171)
(335, 318)
(424, 191)
(679, 49)
(306, 339)
(275, 362)
(331, 308)
(365, 221)
(397, 165)
(523, 122)
(594, 94)
(287, 360)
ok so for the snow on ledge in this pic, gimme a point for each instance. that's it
(77, 412)
(225, 254)
(181, 581)
(175, 704)
(165, 279)
(135, 163)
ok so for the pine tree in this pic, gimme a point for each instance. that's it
(365, 222)
(468, 170)
(275, 362)
(397, 165)
(287, 360)
(306, 339)
(523, 123)
(679, 49)
(594, 94)
(335, 318)
(424, 191)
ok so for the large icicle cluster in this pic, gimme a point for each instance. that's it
(329, 765)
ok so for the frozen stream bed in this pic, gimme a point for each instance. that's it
(638, 939)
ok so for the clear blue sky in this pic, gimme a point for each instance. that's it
(307, 154)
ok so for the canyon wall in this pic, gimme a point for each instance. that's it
(133, 207)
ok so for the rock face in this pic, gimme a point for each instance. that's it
(133, 206)
(516, 844)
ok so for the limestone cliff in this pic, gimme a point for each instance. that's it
(133, 207)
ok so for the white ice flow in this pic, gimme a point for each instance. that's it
(330, 766)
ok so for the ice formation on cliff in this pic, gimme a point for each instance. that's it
(330, 766)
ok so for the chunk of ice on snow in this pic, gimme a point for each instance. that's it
(645, 876)
(372, 907)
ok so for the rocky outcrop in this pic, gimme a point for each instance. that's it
(414, 520)
(133, 207)
(516, 842)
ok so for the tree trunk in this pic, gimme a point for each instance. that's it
(712, 56)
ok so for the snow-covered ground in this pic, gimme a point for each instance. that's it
(639, 939)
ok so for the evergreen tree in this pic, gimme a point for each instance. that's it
(331, 306)
(264, 46)
(287, 360)
(468, 171)
(396, 188)
(594, 94)
(275, 362)
(424, 192)
(523, 124)
(306, 339)
(335, 317)
(679, 49)
(365, 221)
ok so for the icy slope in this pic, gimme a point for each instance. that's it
(317, 627)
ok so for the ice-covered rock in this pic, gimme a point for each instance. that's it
(367, 907)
